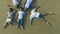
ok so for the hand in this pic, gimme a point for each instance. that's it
(8, 5)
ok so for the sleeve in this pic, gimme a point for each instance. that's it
(33, 10)
(13, 11)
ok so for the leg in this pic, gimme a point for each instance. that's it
(43, 19)
(23, 26)
(41, 16)
(31, 21)
(8, 21)
(50, 13)
(6, 25)
(22, 23)
(19, 22)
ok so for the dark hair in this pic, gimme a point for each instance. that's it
(11, 9)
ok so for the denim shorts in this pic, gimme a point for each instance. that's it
(41, 16)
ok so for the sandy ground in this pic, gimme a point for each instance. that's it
(38, 27)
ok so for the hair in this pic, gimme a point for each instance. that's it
(11, 9)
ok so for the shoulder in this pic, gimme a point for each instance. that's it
(23, 12)
(33, 10)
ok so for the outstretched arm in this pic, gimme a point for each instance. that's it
(37, 8)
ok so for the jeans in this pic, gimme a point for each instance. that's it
(21, 22)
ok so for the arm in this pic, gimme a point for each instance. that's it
(17, 15)
(37, 7)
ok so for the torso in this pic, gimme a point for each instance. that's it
(21, 14)
(10, 14)
(34, 14)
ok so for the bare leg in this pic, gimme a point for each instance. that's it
(6, 25)
(31, 21)
(45, 21)
(50, 13)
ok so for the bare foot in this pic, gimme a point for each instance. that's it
(47, 23)
(51, 13)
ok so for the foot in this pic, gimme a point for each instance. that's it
(8, 5)
(23, 27)
(4, 27)
(51, 13)
(47, 23)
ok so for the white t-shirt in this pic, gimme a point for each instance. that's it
(34, 14)
(21, 14)
(15, 2)
(28, 3)
(10, 14)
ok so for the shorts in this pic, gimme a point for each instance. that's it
(8, 20)
(31, 17)
(41, 16)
